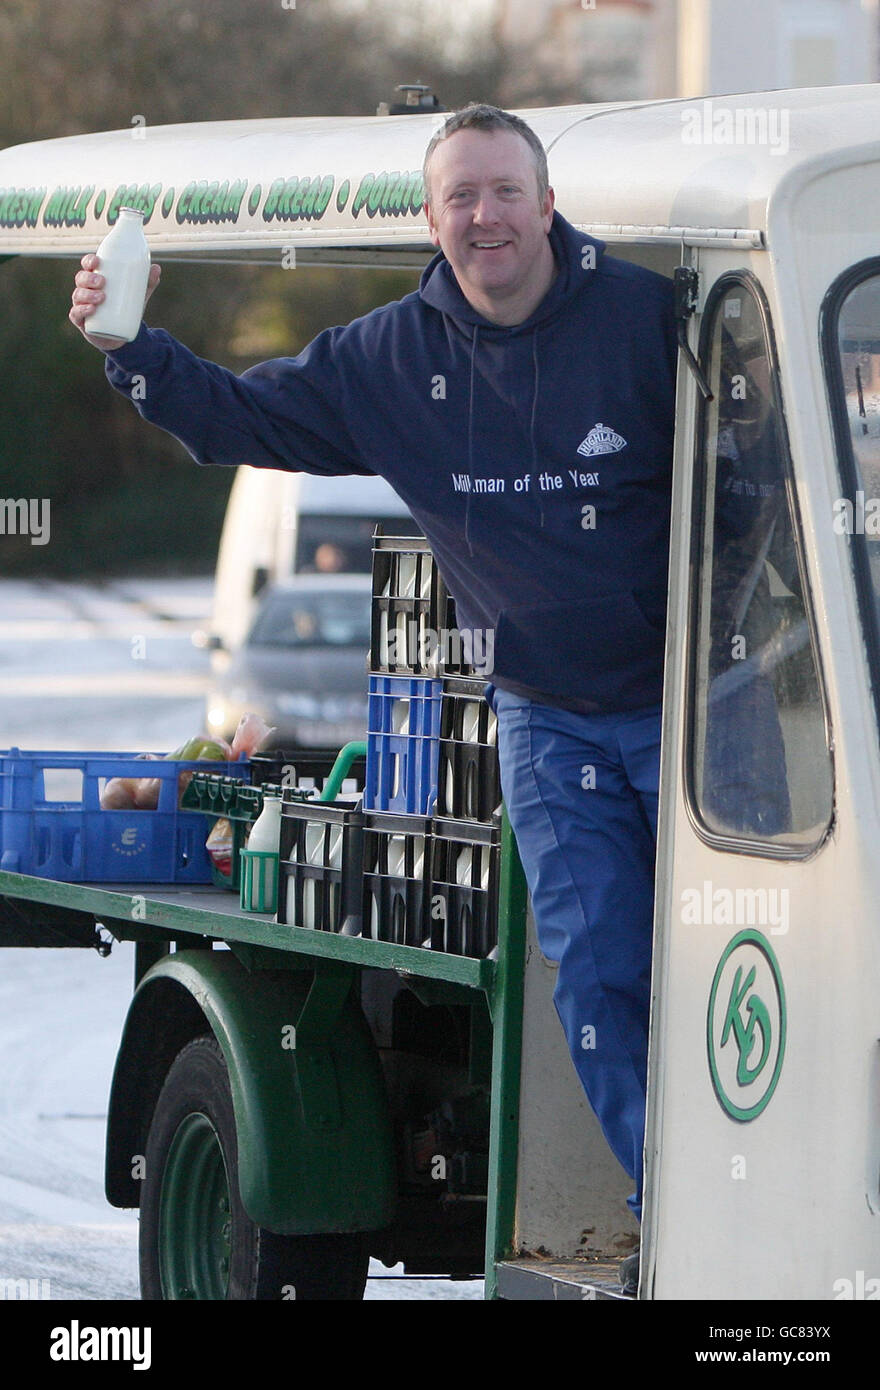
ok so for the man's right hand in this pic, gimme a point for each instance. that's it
(89, 293)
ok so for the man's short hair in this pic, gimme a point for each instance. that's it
(479, 116)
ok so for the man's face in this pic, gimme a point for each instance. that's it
(486, 216)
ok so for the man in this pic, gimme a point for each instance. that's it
(521, 403)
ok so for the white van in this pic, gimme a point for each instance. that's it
(278, 524)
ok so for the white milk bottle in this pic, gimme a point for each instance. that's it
(264, 839)
(124, 261)
(265, 833)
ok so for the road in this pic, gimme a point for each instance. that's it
(101, 668)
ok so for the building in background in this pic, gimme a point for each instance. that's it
(620, 50)
(574, 50)
(758, 45)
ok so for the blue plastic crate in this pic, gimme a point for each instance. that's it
(403, 744)
(52, 824)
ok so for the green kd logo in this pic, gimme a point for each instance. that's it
(758, 1019)
(746, 1026)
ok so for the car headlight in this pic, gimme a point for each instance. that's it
(216, 715)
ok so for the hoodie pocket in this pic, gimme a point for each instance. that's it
(602, 649)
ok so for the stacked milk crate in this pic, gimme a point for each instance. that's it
(431, 832)
(426, 836)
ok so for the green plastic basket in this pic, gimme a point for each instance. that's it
(240, 804)
(259, 881)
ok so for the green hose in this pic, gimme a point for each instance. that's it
(344, 759)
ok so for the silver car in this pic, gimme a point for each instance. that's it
(303, 664)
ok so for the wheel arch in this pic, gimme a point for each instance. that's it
(315, 1146)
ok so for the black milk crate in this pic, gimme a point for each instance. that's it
(414, 630)
(397, 869)
(464, 887)
(321, 864)
(468, 777)
(293, 767)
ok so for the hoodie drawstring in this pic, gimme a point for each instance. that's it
(467, 505)
(532, 422)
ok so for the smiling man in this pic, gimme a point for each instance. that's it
(490, 210)
(521, 403)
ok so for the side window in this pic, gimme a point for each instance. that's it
(852, 356)
(760, 768)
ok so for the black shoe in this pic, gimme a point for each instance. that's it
(628, 1273)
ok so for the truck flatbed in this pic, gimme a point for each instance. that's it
(41, 912)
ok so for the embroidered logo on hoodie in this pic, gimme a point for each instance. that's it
(601, 440)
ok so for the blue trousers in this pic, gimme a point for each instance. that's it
(581, 794)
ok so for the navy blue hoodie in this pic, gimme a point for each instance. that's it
(536, 458)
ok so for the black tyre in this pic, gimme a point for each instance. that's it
(196, 1239)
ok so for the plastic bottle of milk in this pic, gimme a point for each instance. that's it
(124, 260)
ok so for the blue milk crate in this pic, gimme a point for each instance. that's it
(52, 824)
(403, 744)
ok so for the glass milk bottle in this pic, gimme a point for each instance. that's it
(265, 833)
(124, 261)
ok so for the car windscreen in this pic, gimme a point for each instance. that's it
(320, 619)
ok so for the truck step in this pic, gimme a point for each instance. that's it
(530, 1279)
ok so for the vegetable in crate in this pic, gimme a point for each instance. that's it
(142, 793)
(199, 749)
(121, 793)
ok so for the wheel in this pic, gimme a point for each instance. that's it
(196, 1239)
